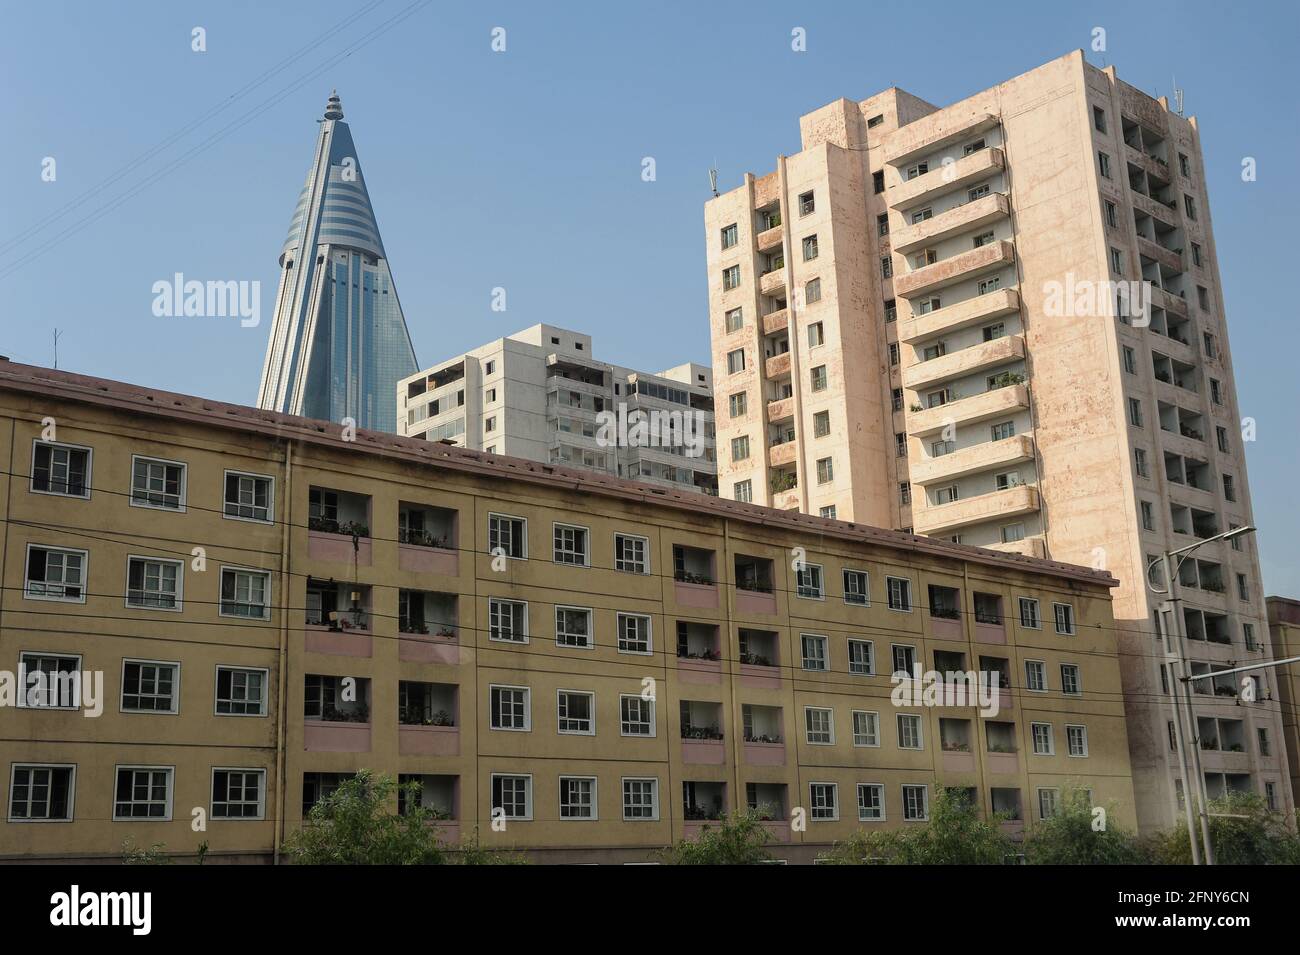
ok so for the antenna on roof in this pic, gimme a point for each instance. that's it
(1178, 98)
(713, 179)
(57, 333)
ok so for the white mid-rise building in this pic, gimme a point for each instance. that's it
(539, 394)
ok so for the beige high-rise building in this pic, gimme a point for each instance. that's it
(1001, 323)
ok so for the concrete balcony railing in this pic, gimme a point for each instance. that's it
(957, 268)
(967, 361)
(1154, 208)
(351, 642)
(692, 670)
(337, 548)
(935, 132)
(428, 740)
(326, 736)
(1028, 547)
(703, 752)
(1174, 304)
(770, 239)
(966, 217)
(779, 455)
(1172, 259)
(998, 403)
(1150, 164)
(781, 410)
(778, 366)
(764, 754)
(949, 518)
(979, 457)
(428, 648)
(965, 314)
(787, 500)
(777, 321)
(773, 282)
(428, 560)
(944, 179)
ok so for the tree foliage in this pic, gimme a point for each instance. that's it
(358, 824)
(738, 839)
(1071, 837)
(1250, 834)
(954, 835)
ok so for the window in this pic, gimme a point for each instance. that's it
(59, 684)
(818, 378)
(821, 425)
(825, 470)
(823, 799)
(1029, 614)
(900, 444)
(573, 627)
(886, 267)
(900, 593)
(1002, 430)
(878, 182)
(634, 633)
(156, 483)
(915, 804)
(640, 799)
(238, 793)
(631, 554)
(871, 802)
(904, 660)
(891, 311)
(1048, 802)
(507, 536)
(1036, 676)
(1103, 165)
(983, 239)
(735, 319)
(806, 204)
(814, 651)
(730, 235)
(1130, 360)
(241, 691)
(576, 712)
(636, 716)
(866, 728)
(1216, 391)
(909, 731)
(513, 796)
(1248, 636)
(1042, 737)
(1064, 614)
(862, 657)
(1196, 254)
(815, 335)
(143, 792)
(60, 469)
(149, 686)
(510, 709)
(738, 404)
(1076, 740)
(731, 278)
(490, 368)
(570, 545)
(1012, 532)
(893, 353)
(55, 574)
(812, 292)
(735, 361)
(245, 593)
(1140, 462)
(875, 121)
(921, 215)
(153, 584)
(743, 491)
(1243, 587)
(1148, 516)
(578, 796)
(1189, 206)
(820, 724)
(1135, 412)
(905, 492)
(809, 581)
(1270, 794)
(507, 620)
(1117, 261)
(917, 169)
(809, 248)
(740, 448)
(1184, 166)
(41, 793)
(882, 224)
(1112, 219)
(856, 587)
(249, 497)
(490, 425)
(828, 512)
(1229, 488)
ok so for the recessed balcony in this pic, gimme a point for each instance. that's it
(778, 411)
(979, 457)
(957, 268)
(962, 218)
(998, 403)
(778, 366)
(934, 133)
(1171, 260)
(770, 238)
(983, 509)
(943, 179)
(779, 455)
(965, 314)
(1170, 302)
(967, 361)
(777, 321)
(1153, 208)
(773, 282)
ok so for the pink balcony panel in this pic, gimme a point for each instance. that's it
(341, 643)
(424, 648)
(765, 754)
(991, 632)
(707, 672)
(702, 596)
(324, 736)
(428, 560)
(337, 548)
(779, 829)
(748, 601)
(448, 832)
(955, 761)
(1003, 763)
(942, 628)
(703, 752)
(763, 678)
(428, 740)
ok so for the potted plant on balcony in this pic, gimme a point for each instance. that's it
(1001, 748)
(442, 718)
(332, 714)
(446, 632)
(945, 613)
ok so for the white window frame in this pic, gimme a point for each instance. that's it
(594, 805)
(620, 616)
(90, 461)
(920, 731)
(875, 719)
(76, 683)
(270, 496)
(890, 580)
(171, 792)
(254, 571)
(871, 656)
(528, 709)
(1022, 602)
(654, 798)
(654, 727)
(591, 628)
(817, 592)
(825, 654)
(512, 602)
(180, 584)
(216, 684)
(1056, 619)
(1056, 800)
(893, 661)
(1033, 739)
(1069, 745)
(925, 802)
(528, 794)
(523, 538)
(834, 790)
(261, 794)
(72, 792)
(1042, 670)
(1078, 680)
(645, 553)
(808, 729)
(184, 484)
(556, 527)
(85, 573)
(866, 583)
(176, 686)
(880, 792)
(591, 696)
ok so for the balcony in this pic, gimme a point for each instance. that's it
(965, 217)
(985, 456)
(1170, 302)
(987, 507)
(779, 455)
(786, 500)
(699, 653)
(1151, 165)
(1153, 208)
(1171, 260)
(967, 361)
(772, 283)
(943, 179)
(694, 578)
(777, 321)
(965, 314)
(934, 133)
(957, 268)
(330, 736)
(701, 729)
(778, 366)
(1027, 546)
(771, 238)
(782, 410)
(998, 403)
(760, 659)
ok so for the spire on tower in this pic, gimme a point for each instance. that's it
(334, 108)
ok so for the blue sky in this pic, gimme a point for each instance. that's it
(522, 169)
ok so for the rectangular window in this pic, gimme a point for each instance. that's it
(1140, 462)
(818, 378)
(1130, 360)
(809, 581)
(576, 712)
(900, 594)
(731, 278)
(59, 684)
(573, 627)
(909, 731)
(634, 633)
(249, 497)
(570, 545)
(149, 686)
(904, 659)
(1076, 740)
(1112, 219)
(825, 470)
(1148, 516)
(1064, 614)
(143, 792)
(513, 795)
(1070, 680)
(61, 469)
(917, 169)
(1184, 166)
(905, 492)
(1103, 165)
(153, 584)
(507, 536)
(809, 248)
(510, 709)
(1002, 430)
(735, 361)
(730, 235)
(1189, 206)
(1048, 802)
(241, 691)
(878, 182)
(815, 335)
(1029, 614)
(577, 797)
(738, 404)
(743, 491)
(882, 224)
(886, 267)
(636, 716)
(740, 448)
(824, 801)
(245, 593)
(866, 728)
(156, 483)
(41, 793)
(820, 724)
(640, 799)
(1117, 261)
(735, 319)
(821, 425)
(871, 802)
(56, 574)
(814, 652)
(1042, 737)
(891, 311)
(507, 620)
(238, 793)
(1036, 676)
(631, 554)
(806, 204)
(915, 804)
(862, 657)
(856, 587)
(1135, 412)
